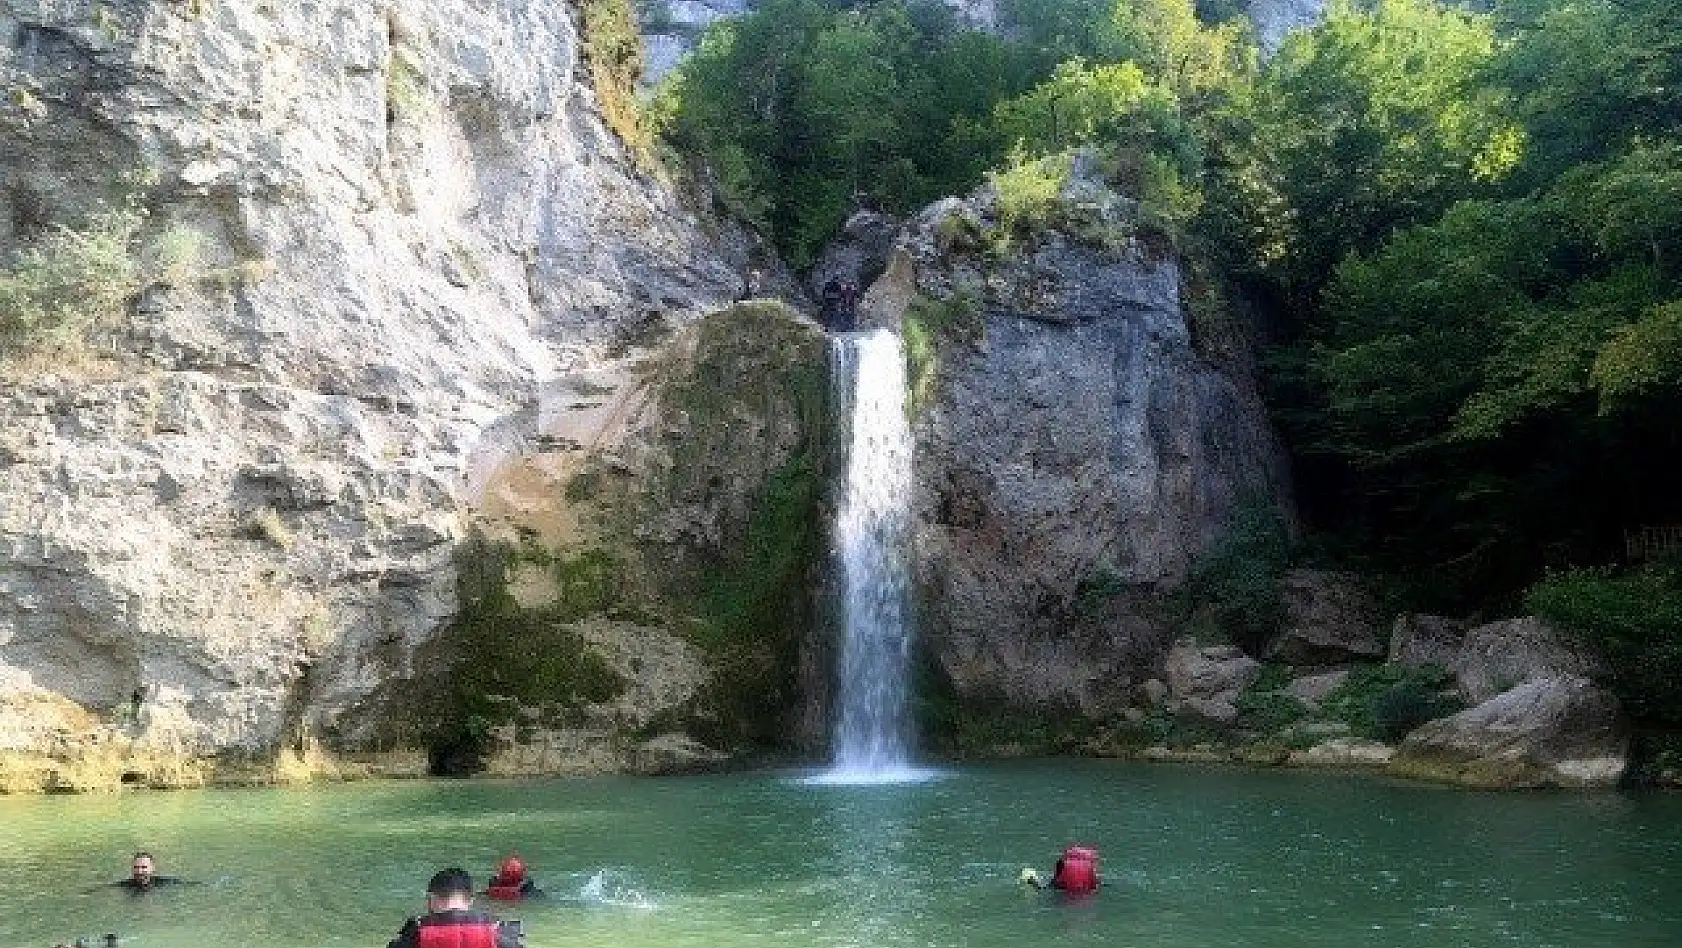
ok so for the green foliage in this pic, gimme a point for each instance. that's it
(613, 50)
(1373, 121)
(72, 278)
(794, 110)
(1072, 29)
(1268, 711)
(1081, 105)
(1589, 77)
(1030, 192)
(1237, 581)
(1470, 233)
(1384, 702)
(1096, 590)
(1633, 622)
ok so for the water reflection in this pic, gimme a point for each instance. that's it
(881, 889)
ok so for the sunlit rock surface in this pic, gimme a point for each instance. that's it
(234, 514)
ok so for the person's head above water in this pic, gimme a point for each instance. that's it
(449, 889)
(141, 871)
(511, 870)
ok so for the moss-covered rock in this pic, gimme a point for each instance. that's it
(668, 609)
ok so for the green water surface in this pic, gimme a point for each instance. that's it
(1194, 858)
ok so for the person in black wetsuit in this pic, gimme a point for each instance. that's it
(833, 318)
(143, 876)
(451, 922)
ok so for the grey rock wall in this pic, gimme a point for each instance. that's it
(1075, 451)
(231, 513)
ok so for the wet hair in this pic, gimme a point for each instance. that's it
(143, 854)
(450, 881)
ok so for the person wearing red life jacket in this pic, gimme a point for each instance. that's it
(451, 922)
(1076, 872)
(511, 883)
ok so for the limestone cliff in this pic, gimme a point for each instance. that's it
(1078, 446)
(407, 252)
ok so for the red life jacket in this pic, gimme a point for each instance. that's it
(474, 931)
(504, 890)
(1078, 872)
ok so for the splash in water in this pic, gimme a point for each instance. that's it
(607, 887)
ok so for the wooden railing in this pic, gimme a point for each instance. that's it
(1650, 543)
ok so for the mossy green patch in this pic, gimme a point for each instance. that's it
(498, 660)
(1384, 702)
(613, 50)
(931, 326)
(752, 409)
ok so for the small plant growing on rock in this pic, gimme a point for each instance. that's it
(266, 524)
(1029, 192)
(406, 95)
(73, 277)
(1384, 702)
(613, 49)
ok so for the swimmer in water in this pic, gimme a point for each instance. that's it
(511, 883)
(451, 922)
(1076, 872)
(143, 876)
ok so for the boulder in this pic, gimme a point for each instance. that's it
(858, 255)
(673, 753)
(1418, 640)
(1220, 712)
(1345, 752)
(1217, 671)
(1551, 732)
(1313, 689)
(1329, 619)
(1500, 655)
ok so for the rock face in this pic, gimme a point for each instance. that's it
(1075, 450)
(420, 258)
(1329, 619)
(858, 256)
(1418, 640)
(671, 28)
(1549, 732)
(1501, 655)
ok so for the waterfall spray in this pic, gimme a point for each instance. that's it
(872, 533)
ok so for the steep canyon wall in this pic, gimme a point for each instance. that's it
(233, 511)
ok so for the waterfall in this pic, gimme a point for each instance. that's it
(872, 531)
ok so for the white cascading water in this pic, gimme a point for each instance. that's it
(872, 530)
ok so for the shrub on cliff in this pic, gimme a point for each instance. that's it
(70, 279)
(1384, 702)
(1632, 622)
(613, 50)
(1236, 583)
